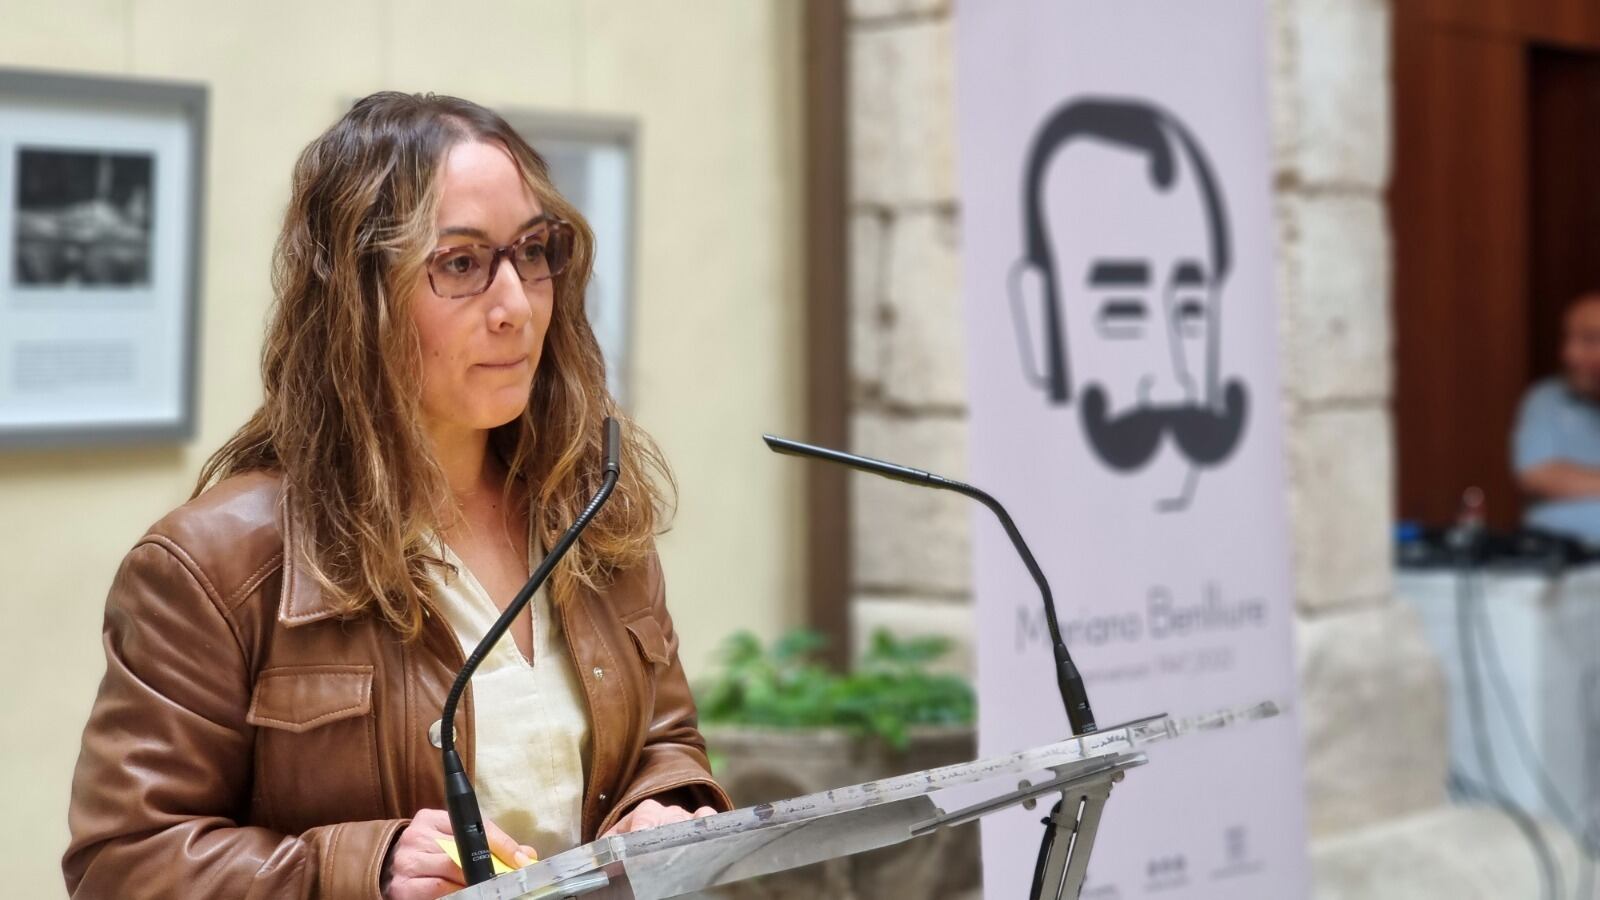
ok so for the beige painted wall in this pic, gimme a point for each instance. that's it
(715, 359)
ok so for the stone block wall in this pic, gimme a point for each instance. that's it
(912, 548)
(1362, 655)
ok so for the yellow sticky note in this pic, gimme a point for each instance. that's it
(448, 845)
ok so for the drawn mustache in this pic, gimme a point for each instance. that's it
(1204, 435)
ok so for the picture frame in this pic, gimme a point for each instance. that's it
(101, 237)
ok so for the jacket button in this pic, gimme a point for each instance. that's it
(602, 798)
(436, 733)
(599, 672)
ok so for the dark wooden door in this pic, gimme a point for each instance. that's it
(1491, 229)
(1563, 192)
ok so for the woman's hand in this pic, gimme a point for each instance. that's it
(418, 870)
(650, 813)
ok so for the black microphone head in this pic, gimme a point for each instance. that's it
(613, 445)
(854, 461)
(784, 445)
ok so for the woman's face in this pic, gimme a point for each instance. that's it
(479, 353)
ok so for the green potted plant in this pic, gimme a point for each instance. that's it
(781, 724)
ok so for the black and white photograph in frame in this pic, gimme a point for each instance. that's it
(82, 217)
(100, 257)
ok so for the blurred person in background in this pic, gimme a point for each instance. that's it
(1556, 447)
(278, 649)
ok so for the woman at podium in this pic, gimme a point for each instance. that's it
(279, 648)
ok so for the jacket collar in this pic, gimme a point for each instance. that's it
(301, 601)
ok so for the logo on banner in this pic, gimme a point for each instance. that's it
(1117, 298)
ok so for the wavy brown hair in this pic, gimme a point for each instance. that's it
(341, 365)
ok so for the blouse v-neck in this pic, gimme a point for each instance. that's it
(530, 716)
(483, 605)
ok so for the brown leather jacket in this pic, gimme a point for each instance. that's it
(246, 742)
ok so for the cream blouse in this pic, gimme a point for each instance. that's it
(530, 719)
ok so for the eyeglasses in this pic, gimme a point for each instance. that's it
(466, 270)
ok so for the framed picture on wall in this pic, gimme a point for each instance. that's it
(100, 236)
(593, 163)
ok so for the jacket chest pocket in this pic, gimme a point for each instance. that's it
(648, 640)
(316, 746)
(652, 658)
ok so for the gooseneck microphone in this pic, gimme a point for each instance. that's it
(1073, 695)
(466, 821)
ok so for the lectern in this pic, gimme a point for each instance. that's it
(687, 857)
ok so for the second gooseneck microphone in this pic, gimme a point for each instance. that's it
(1073, 694)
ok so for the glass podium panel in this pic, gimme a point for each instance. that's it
(686, 857)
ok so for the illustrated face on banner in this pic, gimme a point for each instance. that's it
(1118, 297)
